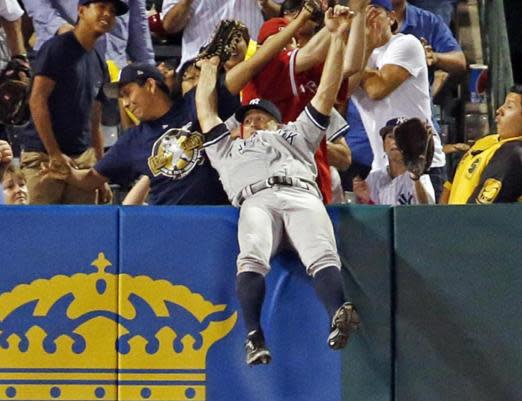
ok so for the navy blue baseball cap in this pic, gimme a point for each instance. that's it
(386, 4)
(260, 104)
(390, 125)
(120, 7)
(132, 73)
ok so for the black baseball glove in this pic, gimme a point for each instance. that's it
(415, 140)
(224, 40)
(14, 92)
(17, 68)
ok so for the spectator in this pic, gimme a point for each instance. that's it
(162, 147)
(11, 21)
(443, 8)
(65, 104)
(442, 50)
(14, 187)
(393, 185)
(395, 82)
(197, 19)
(491, 171)
(129, 40)
(6, 156)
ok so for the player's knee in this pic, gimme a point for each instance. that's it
(323, 262)
(252, 264)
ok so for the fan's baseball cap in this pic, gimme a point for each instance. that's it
(390, 125)
(120, 6)
(259, 104)
(132, 73)
(386, 4)
(271, 27)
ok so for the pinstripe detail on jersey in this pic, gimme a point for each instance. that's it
(320, 120)
(340, 132)
(216, 134)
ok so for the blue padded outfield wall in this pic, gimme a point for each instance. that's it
(138, 303)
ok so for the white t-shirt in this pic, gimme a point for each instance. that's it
(10, 10)
(410, 99)
(385, 190)
(205, 15)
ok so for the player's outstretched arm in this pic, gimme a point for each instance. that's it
(237, 78)
(337, 22)
(206, 95)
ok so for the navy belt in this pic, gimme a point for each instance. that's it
(274, 180)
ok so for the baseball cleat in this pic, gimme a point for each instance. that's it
(256, 351)
(344, 322)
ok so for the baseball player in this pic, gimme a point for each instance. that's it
(269, 172)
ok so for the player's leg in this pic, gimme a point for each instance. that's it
(310, 231)
(257, 228)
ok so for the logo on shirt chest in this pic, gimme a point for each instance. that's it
(176, 153)
(472, 168)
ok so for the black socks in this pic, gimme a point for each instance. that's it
(250, 288)
(328, 284)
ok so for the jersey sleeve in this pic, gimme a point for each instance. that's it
(312, 125)
(407, 52)
(337, 128)
(218, 143)
(501, 180)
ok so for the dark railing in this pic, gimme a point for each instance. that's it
(496, 52)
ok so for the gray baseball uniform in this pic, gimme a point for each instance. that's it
(271, 176)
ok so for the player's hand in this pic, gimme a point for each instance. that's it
(361, 190)
(431, 56)
(6, 153)
(338, 19)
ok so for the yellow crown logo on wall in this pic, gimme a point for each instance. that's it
(105, 336)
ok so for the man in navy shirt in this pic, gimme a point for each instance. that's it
(163, 147)
(69, 74)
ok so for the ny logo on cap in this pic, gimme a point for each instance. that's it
(254, 101)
